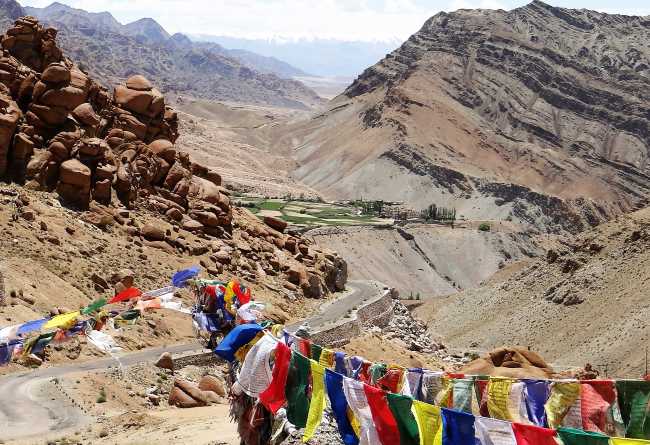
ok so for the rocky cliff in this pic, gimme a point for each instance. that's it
(109, 152)
(538, 114)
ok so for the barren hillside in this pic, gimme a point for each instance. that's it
(535, 114)
(585, 301)
(426, 260)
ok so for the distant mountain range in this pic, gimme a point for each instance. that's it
(176, 63)
(321, 57)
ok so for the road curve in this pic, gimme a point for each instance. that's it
(360, 292)
(25, 413)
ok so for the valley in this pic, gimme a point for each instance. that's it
(477, 201)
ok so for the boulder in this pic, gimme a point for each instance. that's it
(178, 398)
(8, 119)
(132, 100)
(165, 361)
(297, 274)
(139, 83)
(164, 148)
(56, 73)
(153, 233)
(213, 384)
(275, 223)
(85, 114)
(74, 172)
(68, 98)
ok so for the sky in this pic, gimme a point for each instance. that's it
(366, 20)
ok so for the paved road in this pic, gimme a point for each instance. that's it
(26, 412)
(359, 293)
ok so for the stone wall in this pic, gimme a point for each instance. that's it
(201, 359)
(376, 313)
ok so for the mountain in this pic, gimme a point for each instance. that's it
(265, 64)
(10, 10)
(180, 66)
(77, 18)
(536, 115)
(320, 57)
(146, 30)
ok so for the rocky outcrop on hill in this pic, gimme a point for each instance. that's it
(61, 131)
(537, 114)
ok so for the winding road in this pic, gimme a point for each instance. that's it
(27, 410)
(358, 293)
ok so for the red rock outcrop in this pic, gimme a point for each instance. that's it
(62, 131)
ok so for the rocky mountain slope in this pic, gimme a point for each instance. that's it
(538, 114)
(426, 260)
(103, 45)
(105, 188)
(584, 302)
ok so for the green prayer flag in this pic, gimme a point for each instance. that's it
(296, 390)
(94, 306)
(400, 406)
(634, 400)
(377, 371)
(572, 436)
(129, 315)
(316, 351)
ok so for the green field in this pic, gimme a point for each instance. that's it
(307, 213)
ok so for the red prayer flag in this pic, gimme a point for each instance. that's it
(273, 397)
(128, 294)
(533, 435)
(382, 416)
(596, 397)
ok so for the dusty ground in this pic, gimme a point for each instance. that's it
(588, 305)
(127, 417)
(438, 260)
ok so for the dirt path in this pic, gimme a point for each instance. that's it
(32, 406)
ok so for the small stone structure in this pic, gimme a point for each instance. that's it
(376, 313)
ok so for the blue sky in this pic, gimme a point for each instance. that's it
(338, 19)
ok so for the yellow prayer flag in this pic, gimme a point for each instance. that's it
(445, 397)
(498, 396)
(317, 405)
(229, 297)
(62, 321)
(429, 422)
(563, 396)
(354, 422)
(619, 441)
(326, 358)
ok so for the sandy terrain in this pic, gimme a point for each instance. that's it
(234, 139)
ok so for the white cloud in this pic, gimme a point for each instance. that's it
(338, 19)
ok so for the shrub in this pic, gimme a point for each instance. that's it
(102, 396)
(484, 227)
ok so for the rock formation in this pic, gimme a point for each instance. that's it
(61, 131)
